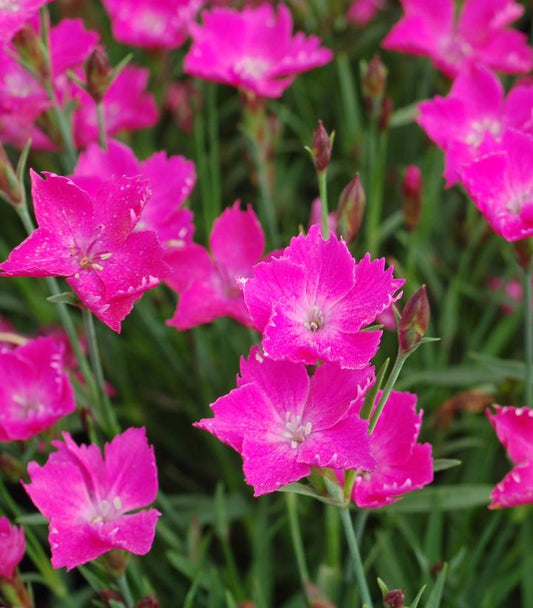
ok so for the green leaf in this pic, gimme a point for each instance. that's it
(418, 597)
(448, 497)
(435, 596)
(441, 464)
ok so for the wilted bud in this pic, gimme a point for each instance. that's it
(374, 80)
(387, 107)
(321, 148)
(10, 186)
(108, 595)
(31, 50)
(352, 203)
(414, 321)
(148, 602)
(412, 196)
(98, 74)
(395, 598)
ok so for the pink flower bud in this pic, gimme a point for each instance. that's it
(414, 321)
(412, 196)
(394, 599)
(374, 80)
(10, 186)
(148, 602)
(352, 203)
(321, 148)
(31, 50)
(98, 73)
(12, 548)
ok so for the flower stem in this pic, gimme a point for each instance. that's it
(323, 193)
(391, 381)
(296, 537)
(359, 570)
(102, 136)
(125, 590)
(106, 410)
(528, 277)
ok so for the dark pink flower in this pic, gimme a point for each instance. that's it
(315, 217)
(12, 548)
(501, 186)
(283, 423)
(472, 119)
(94, 515)
(402, 464)
(171, 179)
(361, 12)
(126, 106)
(312, 302)
(35, 391)
(208, 284)
(480, 35)
(154, 25)
(253, 49)
(514, 428)
(14, 14)
(90, 240)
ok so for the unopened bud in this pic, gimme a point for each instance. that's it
(247, 604)
(107, 596)
(374, 80)
(412, 196)
(10, 186)
(414, 321)
(387, 107)
(395, 598)
(98, 74)
(352, 203)
(148, 602)
(31, 50)
(321, 148)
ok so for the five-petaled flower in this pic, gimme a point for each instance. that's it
(95, 514)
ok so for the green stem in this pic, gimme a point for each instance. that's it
(377, 162)
(215, 189)
(356, 557)
(291, 501)
(391, 381)
(125, 591)
(323, 193)
(106, 409)
(528, 277)
(102, 136)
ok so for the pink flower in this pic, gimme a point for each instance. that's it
(154, 25)
(315, 217)
(35, 391)
(171, 178)
(471, 120)
(501, 186)
(514, 428)
(12, 548)
(14, 14)
(312, 302)
(509, 291)
(253, 49)
(93, 517)
(126, 105)
(90, 240)
(361, 12)
(480, 35)
(207, 284)
(283, 423)
(402, 464)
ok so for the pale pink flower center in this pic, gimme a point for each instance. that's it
(251, 67)
(315, 320)
(456, 49)
(518, 199)
(105, 511)
(30, 404)
(9, 6)
(479, 128)
(91, 256)
(152, 22)
(295, 431)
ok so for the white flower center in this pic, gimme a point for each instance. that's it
(296, 432)
(251, 67)
(9, 6)
(315, 320)
(479, 128)
(106, 511)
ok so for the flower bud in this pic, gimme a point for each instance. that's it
(10, 186)
(374, 80)
(31, 50)
(412, 196)
(12, 548)
(352, 203)
(110, 598)
(148, 602)
(321, 148)
(98, 74)
(414, 321)
(395, 598)
(387, 107)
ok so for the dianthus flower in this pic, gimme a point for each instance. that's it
(514, 428)
(14, 14)
(12, 548)
(90, 240)
(171, 179)
(312, 302)
(501, 186)
(480, 35)
(154, 25)
(283, 422)
(402, 464)
(126, 106)
(208, 284)
(253, 49)
(35, 391)
(472, 119)
(94, 515)
(361, 12)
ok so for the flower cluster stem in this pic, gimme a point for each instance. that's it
(296, 536)
(323, 193)
(357, 562)
(528, 277)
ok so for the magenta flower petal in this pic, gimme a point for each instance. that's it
(71, 44)
(514, 428)
(92, 517)
(14, 14)
(515, 489)
(12, 548)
